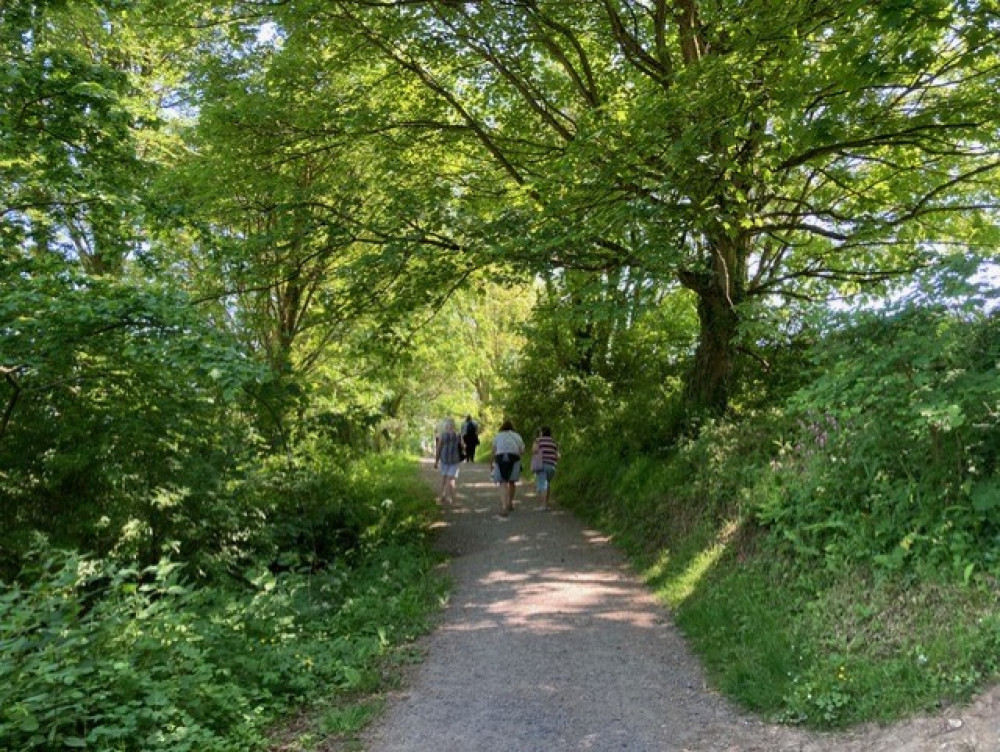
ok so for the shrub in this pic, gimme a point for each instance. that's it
(890, 454)
(99, 655)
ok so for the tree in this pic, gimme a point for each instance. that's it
(303, 236)
(745, 151)
(116, 429)
(75, 123)
(115, 422)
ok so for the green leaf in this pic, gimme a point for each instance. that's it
(986, 497)
(29, 723)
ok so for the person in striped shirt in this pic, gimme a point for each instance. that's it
(547, 450)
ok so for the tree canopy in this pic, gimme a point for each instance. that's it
(269, 209)
(750, 154)
(741, 256)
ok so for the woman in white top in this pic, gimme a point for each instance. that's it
(505, 467)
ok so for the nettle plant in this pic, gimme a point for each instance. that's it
(891, 453)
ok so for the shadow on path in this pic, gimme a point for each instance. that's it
(551, 643)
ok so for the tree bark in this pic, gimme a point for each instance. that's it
(708, 384)
(720, 290)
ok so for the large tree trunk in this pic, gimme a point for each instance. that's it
(720, 290)
(708, 381)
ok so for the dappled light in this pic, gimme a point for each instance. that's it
(722, 274)
(546, 643)
(529, 594)
(677, 586)
(555, 600)
(685, 584)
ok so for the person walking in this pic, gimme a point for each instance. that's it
(505, 467)
(544, 458)
(470, 438)
(447, 455)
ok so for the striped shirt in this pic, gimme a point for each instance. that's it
(549, 449)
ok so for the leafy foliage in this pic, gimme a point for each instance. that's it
(233, 244)
(115, 395)
(105, 656)
(744, 154)
(893, 453)
(833, 556)
(604, 358)
(75, 126)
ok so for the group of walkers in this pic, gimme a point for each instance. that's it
(452, 446)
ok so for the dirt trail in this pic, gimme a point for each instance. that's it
(551, 643)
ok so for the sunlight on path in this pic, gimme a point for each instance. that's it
(550, 642)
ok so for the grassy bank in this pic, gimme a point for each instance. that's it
(794, 638)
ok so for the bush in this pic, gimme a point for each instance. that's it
(102, 656)
(117, 431)
(890, 454)
(832, 558)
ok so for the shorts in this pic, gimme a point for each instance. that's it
(544, 477)
(506, 468)
(449, 471)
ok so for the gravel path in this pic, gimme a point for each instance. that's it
(550, 642)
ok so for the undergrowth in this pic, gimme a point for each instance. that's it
(833, 560)
(794, 643)
(99, 655)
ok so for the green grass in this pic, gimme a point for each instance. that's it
(738, 625)
(790, 641)
(881, 648)
(350, 719)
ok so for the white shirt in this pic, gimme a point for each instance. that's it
(508, 442)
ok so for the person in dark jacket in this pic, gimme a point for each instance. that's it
(470, 438)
